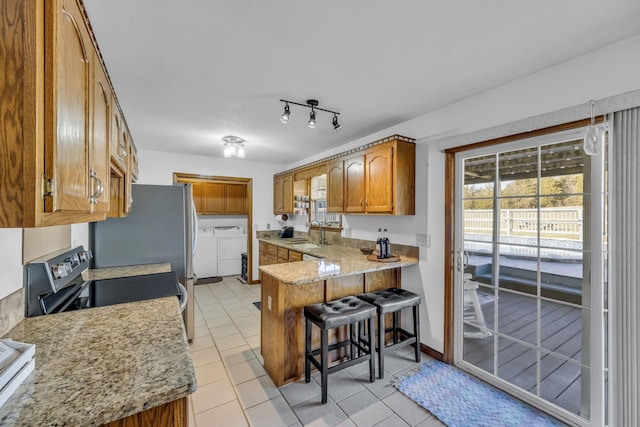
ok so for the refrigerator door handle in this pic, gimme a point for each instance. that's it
(194, 227)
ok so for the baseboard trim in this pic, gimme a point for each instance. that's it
(431, 352)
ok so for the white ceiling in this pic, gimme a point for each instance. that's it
(187, 73)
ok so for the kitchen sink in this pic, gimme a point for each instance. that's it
(305, 245)
(294, 240)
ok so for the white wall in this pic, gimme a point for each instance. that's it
(157, 167)
(10, 260)
(603, 73)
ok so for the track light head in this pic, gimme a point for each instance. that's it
(336, 126)
(285, 115)
(312, 119)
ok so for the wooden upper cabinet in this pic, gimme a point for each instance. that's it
(58, 100)
(283, 194)
(197, 188)
(379, 180)
(335, 186)
(133, 161)
(214, 198)
(235, 199)
(376, 180)
(99, 169)
(118, 144)
(354, 185)
(68, 70)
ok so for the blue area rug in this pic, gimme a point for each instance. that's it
(461, 400)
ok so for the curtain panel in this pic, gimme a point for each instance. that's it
(624, 267)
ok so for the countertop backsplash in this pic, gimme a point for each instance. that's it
(11, 310)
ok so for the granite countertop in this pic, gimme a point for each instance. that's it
(125, 271)
(101, 364)
(336, 261)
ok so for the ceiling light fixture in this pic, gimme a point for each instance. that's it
(234, 146)
(312, 118)
(313, 105)
(336, 126)
(285, 115)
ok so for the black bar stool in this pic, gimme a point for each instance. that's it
(393, 300)
(345, 311)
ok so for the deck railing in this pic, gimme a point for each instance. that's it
(558, 223)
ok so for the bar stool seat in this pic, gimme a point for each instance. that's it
(393, 300)
(333, 314)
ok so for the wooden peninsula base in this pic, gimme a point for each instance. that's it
(282, 333)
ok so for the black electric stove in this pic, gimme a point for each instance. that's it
(54, 284)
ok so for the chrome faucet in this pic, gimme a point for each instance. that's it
(322, 240)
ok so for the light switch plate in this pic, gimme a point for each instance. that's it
(422, 240)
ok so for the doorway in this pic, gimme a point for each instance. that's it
(529, 286)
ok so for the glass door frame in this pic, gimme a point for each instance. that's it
(594, 252)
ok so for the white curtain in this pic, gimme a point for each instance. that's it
(625, 267)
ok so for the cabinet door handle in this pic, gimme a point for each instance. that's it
(93, 199)
(360, 202)
(366, 203)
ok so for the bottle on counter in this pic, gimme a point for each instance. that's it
(386, 244)
(379, 245)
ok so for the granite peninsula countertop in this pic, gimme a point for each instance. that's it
(101, 364)
(335, 261)
(125, 271)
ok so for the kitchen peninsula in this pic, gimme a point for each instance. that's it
(287, 287)
(128, 362)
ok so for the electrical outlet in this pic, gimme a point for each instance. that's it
(268, 226)
(422, 240)
(347, 232)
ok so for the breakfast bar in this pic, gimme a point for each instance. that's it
(288, 287)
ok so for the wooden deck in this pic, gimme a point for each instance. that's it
(561, 333)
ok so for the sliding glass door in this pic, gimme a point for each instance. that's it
(529, 290)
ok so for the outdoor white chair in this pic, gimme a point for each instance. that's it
(473, 309)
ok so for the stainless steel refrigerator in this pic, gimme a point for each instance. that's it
(161, 227)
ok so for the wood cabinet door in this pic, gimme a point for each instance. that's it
(213, 198)
(235, 199)
(379, 180)
(133, 159)
(100, 139)
(118, 142)
(354, 175)
(287, 193)
(277, 195)
(128, 176)
(197, 189)
(68, 60)
(335, 186)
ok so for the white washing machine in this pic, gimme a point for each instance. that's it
(231, 244)
(205, 260)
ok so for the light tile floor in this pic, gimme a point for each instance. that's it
(234, 389)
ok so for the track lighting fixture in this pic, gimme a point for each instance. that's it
(313, 104)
